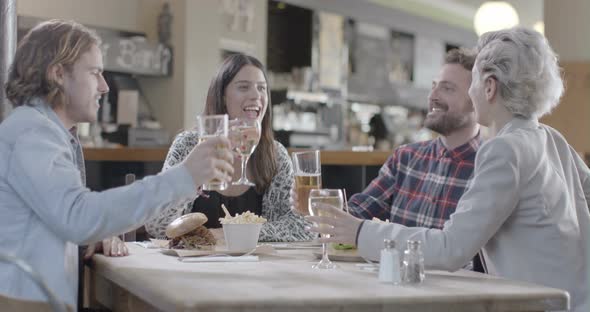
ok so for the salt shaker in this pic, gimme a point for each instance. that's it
(413, 266)
(389, 264)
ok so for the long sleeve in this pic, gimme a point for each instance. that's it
(492, 197)
(51, 185)
(282, 224)
(584, 174)
(375, 200)
(179, 150)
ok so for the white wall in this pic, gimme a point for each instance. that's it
(197, 31)
(206, 35)
(166, 95)
(566, 28)
(118, 14)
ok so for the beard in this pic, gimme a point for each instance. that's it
(446, 123)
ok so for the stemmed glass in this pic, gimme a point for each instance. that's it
(244, 136)
(334, 198)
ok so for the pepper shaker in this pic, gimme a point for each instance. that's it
(413, 265)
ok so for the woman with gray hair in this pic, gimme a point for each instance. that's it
(527, 205)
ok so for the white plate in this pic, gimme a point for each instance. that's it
(218, 250)
(297, 245)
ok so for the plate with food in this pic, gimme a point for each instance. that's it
(188, 237)
(340, 252)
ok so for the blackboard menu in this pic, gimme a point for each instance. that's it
(379, 60)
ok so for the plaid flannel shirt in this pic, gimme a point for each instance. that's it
(419, 185)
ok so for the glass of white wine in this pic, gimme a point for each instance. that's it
(210, 126)
(334, 198)
(244, 135)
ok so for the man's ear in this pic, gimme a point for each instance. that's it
(491, 88)
(56, 74)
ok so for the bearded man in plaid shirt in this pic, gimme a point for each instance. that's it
(421, 183)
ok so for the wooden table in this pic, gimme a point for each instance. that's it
(149, 281)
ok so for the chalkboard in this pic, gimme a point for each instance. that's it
(380, 60)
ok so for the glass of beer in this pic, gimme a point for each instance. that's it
(331, 197)
(308, 176)
(210, 126)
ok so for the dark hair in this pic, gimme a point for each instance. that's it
(461, 56)
(262, 164)
(55, 42)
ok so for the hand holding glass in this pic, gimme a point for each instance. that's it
(334, 198)
(209, 126)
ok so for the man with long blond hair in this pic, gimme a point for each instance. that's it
(54, 83)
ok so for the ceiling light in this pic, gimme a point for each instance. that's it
(494, 15)
(540, 27)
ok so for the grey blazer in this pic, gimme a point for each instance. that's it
(526, 207)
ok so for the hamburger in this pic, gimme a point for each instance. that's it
(188, 232)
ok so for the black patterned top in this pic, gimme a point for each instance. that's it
(210, 205)
(282, 223)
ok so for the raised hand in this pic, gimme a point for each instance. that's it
(210, 160)
(341, 226)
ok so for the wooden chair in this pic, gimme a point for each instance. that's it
(15, 304)
(138, 234)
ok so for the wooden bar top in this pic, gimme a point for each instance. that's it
(148, 280)
(331, 157)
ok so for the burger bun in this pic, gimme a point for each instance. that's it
(185, 224)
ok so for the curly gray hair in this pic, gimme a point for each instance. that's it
(525, 67)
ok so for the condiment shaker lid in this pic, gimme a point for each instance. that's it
(388, 243)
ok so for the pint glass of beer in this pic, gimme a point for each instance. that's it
(210, 126)
(308, 176)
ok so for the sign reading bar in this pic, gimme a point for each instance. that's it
(137, 56)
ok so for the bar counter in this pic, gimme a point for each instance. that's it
(150, 281)
(331, 157)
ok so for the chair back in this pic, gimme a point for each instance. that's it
(15, 304)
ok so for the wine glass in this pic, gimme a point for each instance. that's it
(210, 126)
(244, 137)
(334, 198)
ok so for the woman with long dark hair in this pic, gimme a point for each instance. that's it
(240, 89)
